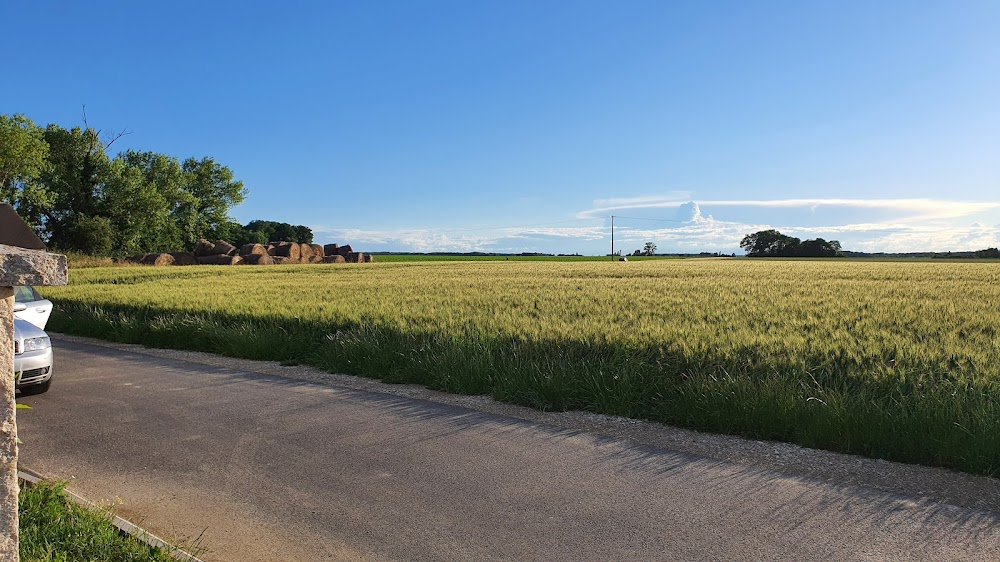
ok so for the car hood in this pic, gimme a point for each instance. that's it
(24, 330)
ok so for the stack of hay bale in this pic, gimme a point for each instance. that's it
(335, 253)
(224, 253)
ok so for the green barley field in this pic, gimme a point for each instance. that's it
(897, 360)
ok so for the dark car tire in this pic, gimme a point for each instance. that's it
(36, 388)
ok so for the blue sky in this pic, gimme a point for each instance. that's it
(521, 126)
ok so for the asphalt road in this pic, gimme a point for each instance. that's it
(266, 468)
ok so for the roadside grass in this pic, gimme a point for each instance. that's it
(54, 529)
(887, 360)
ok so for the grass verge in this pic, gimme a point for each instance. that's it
(55, 529)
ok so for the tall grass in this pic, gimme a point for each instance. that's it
(54, 529)
(80, 261)
(891, 360)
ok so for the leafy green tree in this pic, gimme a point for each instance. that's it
(818, 248)
(161, 191)
(215, 192)
(768, 243)
(304, 234)
(63, 183)
(77, 169)
(137, 210)
(649, 249)
(771, 243)
(91, 235)
(281, 231)
(23, 153)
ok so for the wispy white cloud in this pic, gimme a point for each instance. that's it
(915, 209)
(577, 233)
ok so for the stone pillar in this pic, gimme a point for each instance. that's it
(8, 430)
(18, 266)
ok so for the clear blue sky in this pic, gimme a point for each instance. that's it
(515, 126)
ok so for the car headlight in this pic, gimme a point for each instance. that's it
(34, 344)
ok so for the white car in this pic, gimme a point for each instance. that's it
(36, 309)
(32, 357)
(32, 348)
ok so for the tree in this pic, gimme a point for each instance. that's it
(281, 231)
(771, 243)
(64, 184)
(92, 235)
(215, 192)
(304, 234)
(23, 153)
(768, 243)
(75, 174)
(137, 210)
(649, 249)
(818, 248)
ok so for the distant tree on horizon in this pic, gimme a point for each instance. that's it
(771, 243)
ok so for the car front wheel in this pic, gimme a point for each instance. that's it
(36, 388)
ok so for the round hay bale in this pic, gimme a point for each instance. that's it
(220, 260)
(258, 259)
(318, 250)
(345, 250)
(288, 250)
(224, 248)
(184, 258)
(253, 250)
(355, 257)
(204, 248)
(331, 250)
(369, 258)
(278, 260)
(334, 259)
(305, 250)
(158, 259)
(138, 258)
(313, 259)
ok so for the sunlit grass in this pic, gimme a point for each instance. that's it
(54, 529)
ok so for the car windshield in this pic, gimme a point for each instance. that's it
(25, 293)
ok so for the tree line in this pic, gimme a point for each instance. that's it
(771, 243)
(78, 198)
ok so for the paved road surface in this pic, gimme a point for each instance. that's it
(266, 468)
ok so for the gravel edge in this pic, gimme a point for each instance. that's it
(916, 482)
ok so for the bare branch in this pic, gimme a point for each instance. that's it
(115, 137)
(97, 133)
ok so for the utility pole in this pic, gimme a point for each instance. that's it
(612, 238)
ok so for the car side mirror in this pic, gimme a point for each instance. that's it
(19, 306)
